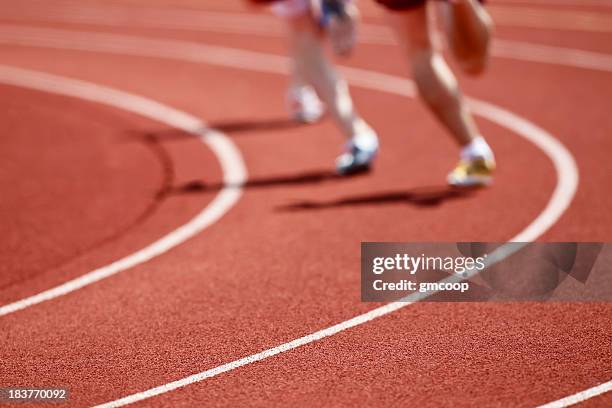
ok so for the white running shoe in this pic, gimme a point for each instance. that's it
(359, 153)
(304, 105)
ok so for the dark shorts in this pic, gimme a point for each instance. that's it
(390, 4)
(401, 4)
(404, 4)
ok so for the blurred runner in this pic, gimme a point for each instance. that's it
(315, 83)
(468, 31)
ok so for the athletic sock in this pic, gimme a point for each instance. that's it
(365, 137)
(477, 148)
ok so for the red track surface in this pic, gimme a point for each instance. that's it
(84, 184)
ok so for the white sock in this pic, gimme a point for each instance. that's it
(477, 148)
(365, 138)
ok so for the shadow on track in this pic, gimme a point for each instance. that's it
(237, 126)
(428, 196)
(230, 127)
(309, 177)
(422, 197)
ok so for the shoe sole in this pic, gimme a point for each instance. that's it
(306, 119)
(471, 181)
(353, 170)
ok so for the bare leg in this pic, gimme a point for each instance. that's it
(311, 66)
(436, 83)
(468, 29)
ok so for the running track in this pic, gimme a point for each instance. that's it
(121, 127)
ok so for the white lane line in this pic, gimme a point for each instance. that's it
(562, 159)
(552, 55)
(253, 24)
(557, 19)
(567, 172)
(580, 396)
(234, 171)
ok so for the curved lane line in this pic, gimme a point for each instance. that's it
(234, 170)
(538, 53)
(242, 23)
(580, 396)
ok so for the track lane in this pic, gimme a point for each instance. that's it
(193, 292)
(431, 355)
(234, 173)
(126, 133)
(268, 63)
(43, 195)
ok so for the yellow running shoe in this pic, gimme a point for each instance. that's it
(472, 173)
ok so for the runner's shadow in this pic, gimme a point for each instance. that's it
(229, 127)
(422, 197)
(310, 177)
(255, 125)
